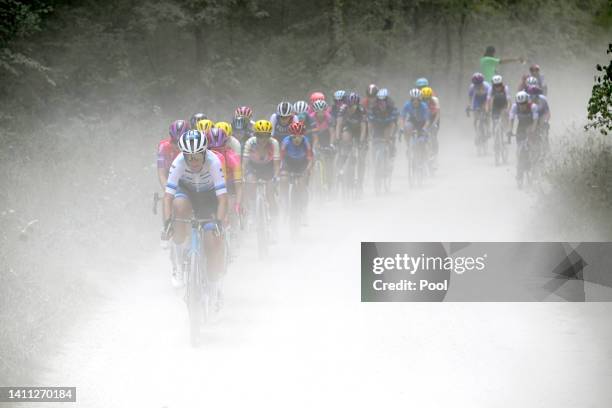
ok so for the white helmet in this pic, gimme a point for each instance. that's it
(300, 107)
(284, 109)
(497, 79)
(531, 80)
(415, 93)
(382, 94)
(522, 97)
(319, 105)
(339, 94)
(192, 142)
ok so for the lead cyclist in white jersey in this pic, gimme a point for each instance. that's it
(196, 185)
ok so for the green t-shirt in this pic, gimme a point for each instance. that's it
(488, 66)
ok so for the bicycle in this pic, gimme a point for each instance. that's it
(480, 125)
(262, 218)
(499, 146)
(417, 157)
(382, 165)
(347, 172)
(321, 171)
(197, 288)
(528, 160)
(296, 201)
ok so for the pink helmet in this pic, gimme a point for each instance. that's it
(315, 96)
(216, 138)
(243, 111)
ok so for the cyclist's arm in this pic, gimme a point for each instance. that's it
(220, 188)
(339, 123)
(363, 131)
(162, 176)
(176, 171)
(275, 157)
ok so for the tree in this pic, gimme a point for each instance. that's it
(600, 103)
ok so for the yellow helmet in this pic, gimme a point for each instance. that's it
(426, 92)
(263, 126)
(226, 127)
(204, 125)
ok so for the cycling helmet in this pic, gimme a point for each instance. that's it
(300, 107)
(195, 118)
(319, 105)
(534, 67)
(177, 128)
(531, 80)
(225, 126)
(315, 96)
(284, 109)
(297, 128)
(204, 125)
(497, 80)
(426, 92)
(193, 141)
(533, 90)
(353, 98)
(339, 95)
(263, 126)
(522, 97)
(421, 83)
(415, 93)
(240, 123)
(477, 78)
(243, 111)
(217, 137)
(371, 90)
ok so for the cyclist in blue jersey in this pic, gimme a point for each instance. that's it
(415, 115)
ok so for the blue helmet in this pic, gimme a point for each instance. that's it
(421, 82)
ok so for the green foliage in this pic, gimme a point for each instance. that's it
(600, 103)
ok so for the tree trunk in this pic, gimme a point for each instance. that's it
(461, 50)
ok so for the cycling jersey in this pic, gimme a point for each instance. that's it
(433, 104)
(382, 118)
(352, 120)
(209, 178)
(542, 103)
(321, 126)
(478, 95)
(166, 153)
(418, 117)
(500, 99)
(279, 131)
(272, 151)
(525, 118)
(231, 165)
(295, 158)
(234, 145)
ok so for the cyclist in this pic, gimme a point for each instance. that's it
(382, 120)
(167, 150)
(195, 118)
(477, 98)
(370, 97)
(281, 120)
(261, 161)
(433, 103)
(499, 100)
(539, 100)
(196, 186)
(296, 157)
(339, 101)
(525, 114)
(242, 124)
(300, 109)
(488, 63)
(218, 142)
(534, 72)
(527, 81)
(415, 115)
(232, 142)
(323, 137)
(351, 128)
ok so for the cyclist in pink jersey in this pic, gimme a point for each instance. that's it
(167, 150)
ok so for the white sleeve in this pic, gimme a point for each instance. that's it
(216, 172)
(176, 172)
(273, 121)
